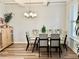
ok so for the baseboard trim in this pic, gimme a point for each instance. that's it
(73, 51)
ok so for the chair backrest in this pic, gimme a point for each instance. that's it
(27, 33)
(56, 31)
(65, 39)
(55, 40)
(55, 36)
(49, 31)
(43, 40)
(35, 31)
(43, 36)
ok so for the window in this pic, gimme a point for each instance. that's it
(74, 15)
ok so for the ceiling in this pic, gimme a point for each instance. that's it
(4, 1)
(33, 2)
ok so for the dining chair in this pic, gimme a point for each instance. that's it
(43, 43)
(29, 41)
(64, 40)
(49, 31)
(35, 32)
(56, 31)
(55, 43)
(64, 44)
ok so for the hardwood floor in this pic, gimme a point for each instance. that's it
(17, 51)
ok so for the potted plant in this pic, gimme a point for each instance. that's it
(43, 29)
(8, 17)
(77, 26)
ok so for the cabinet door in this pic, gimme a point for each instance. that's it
(4, 38)
(0, 40)
(9, 36)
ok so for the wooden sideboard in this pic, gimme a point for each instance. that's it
(6, 37)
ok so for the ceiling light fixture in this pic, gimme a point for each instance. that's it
(29, 13)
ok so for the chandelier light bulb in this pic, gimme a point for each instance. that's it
(35, 14)
(26, 15)
(30, 13)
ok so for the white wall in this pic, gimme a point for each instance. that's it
(52, 16)
(2, 10)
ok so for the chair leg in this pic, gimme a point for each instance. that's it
(33, 48)
(66, 47)
(34, 45)
(59, 52)
(48, 51)
(56, 49)
(27, 47)
(39, 52)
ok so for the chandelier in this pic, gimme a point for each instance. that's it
(29, 13)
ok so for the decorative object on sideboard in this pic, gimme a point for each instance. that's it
(43, 29)
(2, 22)
(8, 17)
